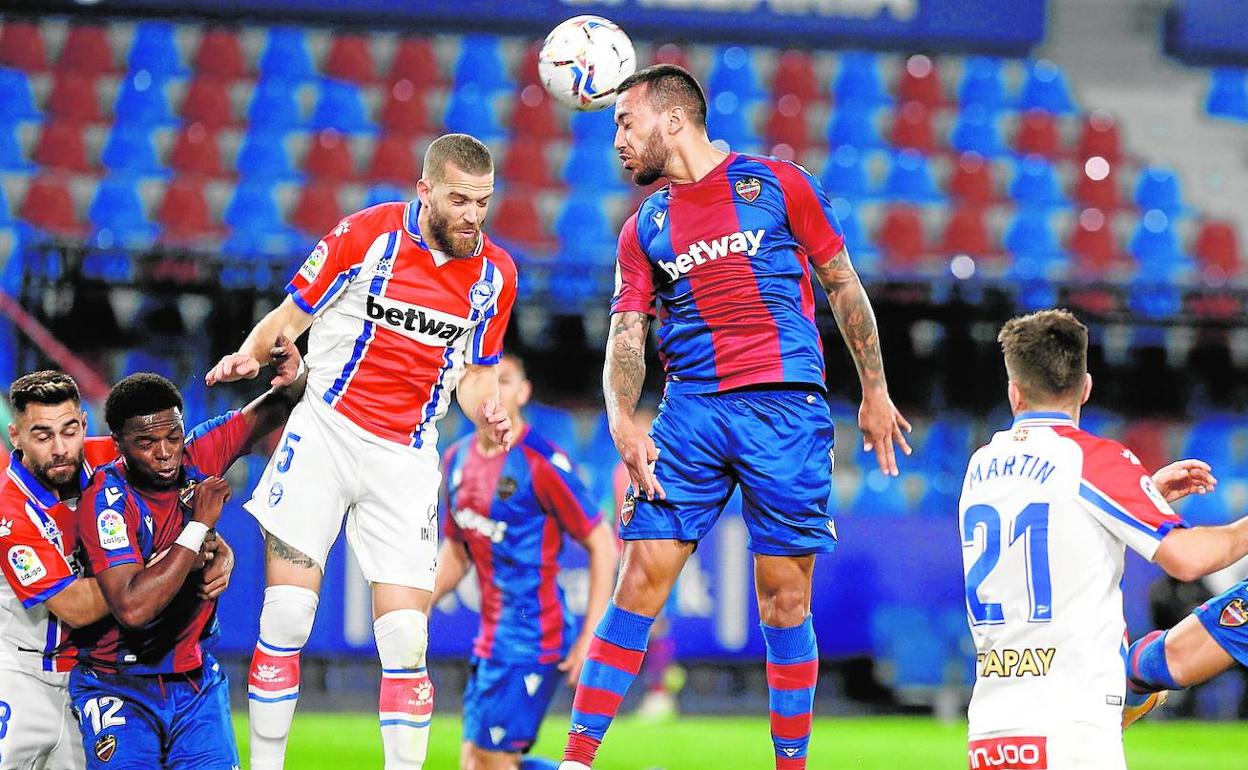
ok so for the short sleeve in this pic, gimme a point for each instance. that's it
(1119, 492)
(810, 212)
(486, 345)
(562, 494)
(33, 565)
(108, 524)
(214, 445)
(634, 277)
(334, 262)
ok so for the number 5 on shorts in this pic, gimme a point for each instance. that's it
(287, 452)
(102, 712)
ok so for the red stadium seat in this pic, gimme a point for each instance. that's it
(795, 74)
(86, 49)
(900, 236)
(393, 161)
(971, 181)
(61, 146)
(920, 83)
(671, 53)
(1095, 189)
(75, 98)
(351, 58)
(415, 61)
(207, 101)
(1099, 136)
(529, 74)
(329, 157)
(21, 46)
(1093, 245)
(1217, 249)
(516, 220)
(966, 233)
(534, 115)
(196, 151)
(787, 124)
(183, 213)
(404, 111)
(318, 210)
(220, 55)
(48, 205)
(1038, 135)
(912, 128)
(526, 163)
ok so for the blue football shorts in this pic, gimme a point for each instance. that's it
(504, 703)
(1225, 617)
(775, 444)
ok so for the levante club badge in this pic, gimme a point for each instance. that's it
(105, 747)
(1234, 614)
(748, 188)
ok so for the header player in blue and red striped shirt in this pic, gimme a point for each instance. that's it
(723, 256)
(505, 511)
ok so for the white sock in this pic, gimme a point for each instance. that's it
(406, 704)
(273, 680)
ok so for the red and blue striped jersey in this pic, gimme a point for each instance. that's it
(726, 260)
(119, 523)
(511, 510)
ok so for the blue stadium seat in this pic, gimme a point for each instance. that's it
(1154, 297)
(946, 445)
(273, 105)
(940, 498)
(976, 130)
(471, 111)
(728, 121)
(6, 212)
(1212, 439)
(17, 97)
(858, 80)
(130, 149)
(596, 126)
(553, 424)
(856, 127)
(733, 71)
(287, 55)
(879, 495)
(481, 64)
(1035, 184)
(982, 84)
(155, 49)
(142, 101)
(341, 106)
(1045, 89)
(1032, 241)
(907, 638)
(865, 257)
(593, 166)
(910, 179)
(1155, 243)
(1158, 188)
(585, 232)
(254, 207)
(117, 213)
(264, 156)
(11, 157)
(846, 172)
(1228, 93)
(385, 193)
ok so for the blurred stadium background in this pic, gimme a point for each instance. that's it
(164, 166)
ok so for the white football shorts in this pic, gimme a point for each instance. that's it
(39, 729)
(1062, 747)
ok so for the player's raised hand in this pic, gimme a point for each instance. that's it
(217, 572)
(639, 454)
(883, 426)
(286, 361)
(497, 422)
(1185, 477)
(575, 660)
(210, 497)
(235, 366)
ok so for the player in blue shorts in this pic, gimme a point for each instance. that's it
(505, 512)
(723, 257)
(147, 692)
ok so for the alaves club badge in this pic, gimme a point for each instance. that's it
(748, 188)
(1234, 614)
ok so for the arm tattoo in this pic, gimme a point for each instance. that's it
(277, 549)
(854, 316)
(625, 370)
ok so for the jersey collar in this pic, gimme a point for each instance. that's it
(32, 487)
(411, 224)
(1037, 419)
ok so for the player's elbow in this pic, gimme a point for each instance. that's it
(133, 616)
(1180, 563)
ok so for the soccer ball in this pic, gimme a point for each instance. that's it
(583, 60)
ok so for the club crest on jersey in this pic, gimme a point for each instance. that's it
(186, 495)
(1234, 614)
(105, 747)
(26, 564)
(506, 487)
(748, 188)
(481, 294)
(311, 267)
(112, 530)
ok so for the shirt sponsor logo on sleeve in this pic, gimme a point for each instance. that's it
(26, 564)
(112, 530)
(311, 266)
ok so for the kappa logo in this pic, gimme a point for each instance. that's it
(1234, 614)
(342, 229)
(741, 242)
(112, 530)
(659, 218)
(111, 495)
(481, 294)
(105, 747)
(26, 564)
(268, 673)
(497, 734)
(6, 527)
(748, 188)
(532, 682)
(424, 694)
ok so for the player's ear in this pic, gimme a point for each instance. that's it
(13, 436)
(524, 392)
(676, 118)
(423, 191)
(1015, 394)
(1087, 388)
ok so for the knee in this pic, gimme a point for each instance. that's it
(402, 638)
(287, 616)
(481, 759)
(783, 606)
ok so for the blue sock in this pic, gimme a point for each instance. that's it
(1147, 671)
(538, 763)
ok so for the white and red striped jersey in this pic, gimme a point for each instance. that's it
(1046, 513)
(396, 322)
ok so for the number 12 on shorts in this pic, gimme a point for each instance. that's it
(1032, 526)
(102, 712)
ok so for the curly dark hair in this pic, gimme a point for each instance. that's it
(47, 387)
(137, 395)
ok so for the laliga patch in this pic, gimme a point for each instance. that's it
(1150, 489)
(311, 266)
(105, 747)
(1234, 614)
(748, 188)
(111, 527)
(481, 294)
(26, 564)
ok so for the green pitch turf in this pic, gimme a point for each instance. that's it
(742, 743)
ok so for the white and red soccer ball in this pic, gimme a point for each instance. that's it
(583, 60)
